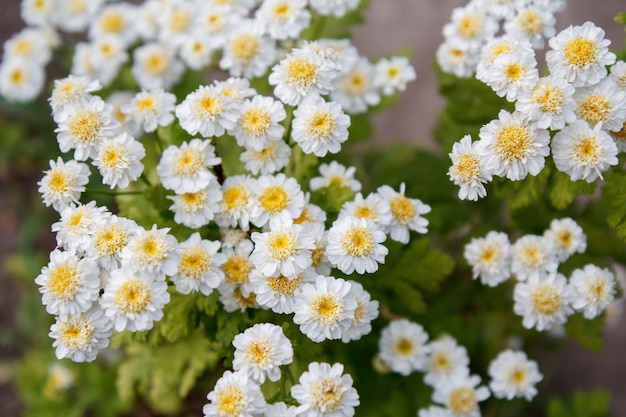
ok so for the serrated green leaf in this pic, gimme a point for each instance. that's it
(563, 190)
(424, 266)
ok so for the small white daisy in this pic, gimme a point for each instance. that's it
(393, 74)
(549, 103)
(235, 395)
(77, 224)
(259, 122)
(495, 47)
(373, 208)
(248, 51)
(354, 89)
(511, 73)
(468, 169)
(335, 173)
(533, 24)
(470, 26)
(196, 50)
(490, 258)
(238, 199)
(543, 302)
(594, 288)
(150, 108)
(568, 237)
(75, 15)
(185, 168)
(80, 338)
(198, 208)
(71, 89)
(284, 19)
(456, 59)
(237, 265)
(602, 103)
(115, 19)
(207, 111)
(406, 213)
(38, 12)
(152, 251)
(268, 160)
(237, 88)
(236, 298)
(446, 360)
(278, 198)
(317, 231)
(119, 160)
(155, 66)
(533, 255)
(513, 375)
(365, 312)
(461, 395)
(108, 240)
(63, 183)
(200, 266)
(21, 80)
(402, 347)
(279, 293)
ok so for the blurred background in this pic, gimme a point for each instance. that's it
(392, 25)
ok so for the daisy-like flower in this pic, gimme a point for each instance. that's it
(115, 19)
(335, 8)
(60, 379)
(513, 147)
(268, 160)
(549, 103)
(490, 258)
(237, 265)
(108, 55)
(150, 108)
(513, 375)
(207, 111)
(63, 183)
(594, 288)
(238, 192)
(71, 89)
(311, 213)
(354, 89)
(456, 59)
(319, 234)
(38, 12)
(77, 225)
(543, 301)
(553, 6)
(260, 351)
(259, 123)
(155, 66)
(196, 50)
(279, 293)
(75, 15)
(236, 298)
(373, 208)
(583, 152)
(568, 237)
(69, 285)
(532, 24)
(281, 409)
(109, 238)
(320, 127)
(461, 395)
(83, 126)
(198, 208)
(356, 245)
(324, 309)
(301, 73)
(80, 338)
(602, 103)
(468, 169)
(176, 21)
(365, 312)
(402, 347)
(200, 266)
(335, 173)
(284, 250)
(134, 300)
(325, 391)
(28, 45)
(237, 88)
(470, 26)
(185, 168)
(284, 19)
(446, 361)
(235, 395)
(434, 411)
(533, 255)
(511, 73)
(152, 251)
(278, 197)
(495, 47)
(119, 160)
(406, 213)
(393, 74)
(580, 55)
(618, 74)
(214, 21)
(248, 51)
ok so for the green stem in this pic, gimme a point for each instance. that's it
(145, 179)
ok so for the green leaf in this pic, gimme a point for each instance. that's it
(621, 18)
(614, 194)
(588, 333)
(563, 190)
(582, 404)
(424, 266)
(332, 198)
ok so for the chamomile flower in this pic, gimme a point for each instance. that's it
(80, 338)
(238, 199)
(237, 265)
(196, 209)
(618, 74)
(150, 109)
(543, 301)
(513, 147)
(594, 288)
(63, 183)
(319, 260)
(311, 213)
(260, 351)
(235, 395)
(115, 19)
(470, 26)
(268, 160)
(511, 73)
(602, 103)
(406, 213)
(109, 238)
(372, 208)
(532, 24)
(119, 160)
(176, 21)
(237, 88)
(215, 20)
(278, 197)
(335, 173)
(28, 45)
(71, 89)
(108, 55)
(495, 47)
(335, 8)
(60, 379)
(207, 111)
(490, 258)
(324, 309)
(248, 51)
(356, 245)
(152, 251)
(77, 225)
(259, 123)
(279, 293)
(568, 237)
(468, 169)
(402, 346)
(533, 255)
(69, 285)
(456, 59)
(393, 74)
(21, 81)
(200, 266)
(354, 89)
(513, 375)
(461, 395)
(446, 361)
(549, 103)
(156, 66)
(38, 12)
(583, 152)
(236, 298)
(134, 300)
(75, 15)
(365, 312)
(284, 19)
(83, 126)
(580, 55)
(325, 391)
(196, 50)
(185, 168)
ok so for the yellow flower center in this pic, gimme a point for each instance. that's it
(469, 25)
(110, 239)
(404, 347)
(255, 121)
(188, 162)
(326, 308)
(517, 377)
(358, 242)
(146, 104)
(274, 199)
(594, 108)
(440, 363)
(302, 73)
(23, 47)
(75, 220)
(245, 47)
(236, 269)
(114, 156)
(326, 394)
(513, 143)
(321, 124)
(392, 72)
(467, 167)
(487, 255)
(532, 256)
(194, 202)
(586, 150)
(58, 181)
(283, 285)
(76, 333)
(244, 301)
(111, 22)
(77, 6)
(85, 126)
(530, 21)
(155, 64)
(132, 297)
(208, 107)
(363, 211)
(63, 281)
(356, 83)
(180, 21)
(282, 11)
(596, 290)
(546, 300)
(619, 135)
(151, 249)
(402, 209)
(549, 98)
(282, 245)
(259, 352)
(235, 197)
(564, 238)
(462, 401)
(514, 71)
(317, 255)
(580, 52)
(194, 262)
(230, 402)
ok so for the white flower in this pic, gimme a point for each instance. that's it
(354, 89)
(259, 123)
(549, 103)
(152, 251)
(207, 111)
(28, 45)
(356, 245)
(278, 197)
(248, 52)
(406, 213)
(583, 152)
(268, 160)
(235, 395)
(490, 258)
(324, 309)
(134, 300)
(618, 74)
(284, 19)
(196, 50)
(499, 46)
(446, 361)
(280, 409)
(200, 266)
(335, 173)
(237, 88)
(594, 288)
(319, 127)
(69, 285)
(580, 55)
(260, 350)
(279, 293)
(365, 312)
(109, 238)
(461, 395)
(568, 237)
(156, 66)
(336, 8)
(115, 19)
(63, 183)
(373, 208)
(533, 255)
(119, 160)
(533, 24)
(77, 225)
(468, 169)
(325, 391)
(80, 338)
(238, 192)
(214, 21)
(108, 54)
(75, 15)
(393, 74)
(511, 73)
(513, 375)
(470, 26)
(434, 411)
(602, 103)
(185, 168)
(198, 208)
(513, 147)
(176, 20)
(402, 347)
(456, 59)
(319, 234)
(543, 301)
(38, 12)
(150, 108)
(237, 265)
(71, 89)
(236, 298)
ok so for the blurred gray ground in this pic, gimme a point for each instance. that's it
(393, 25)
